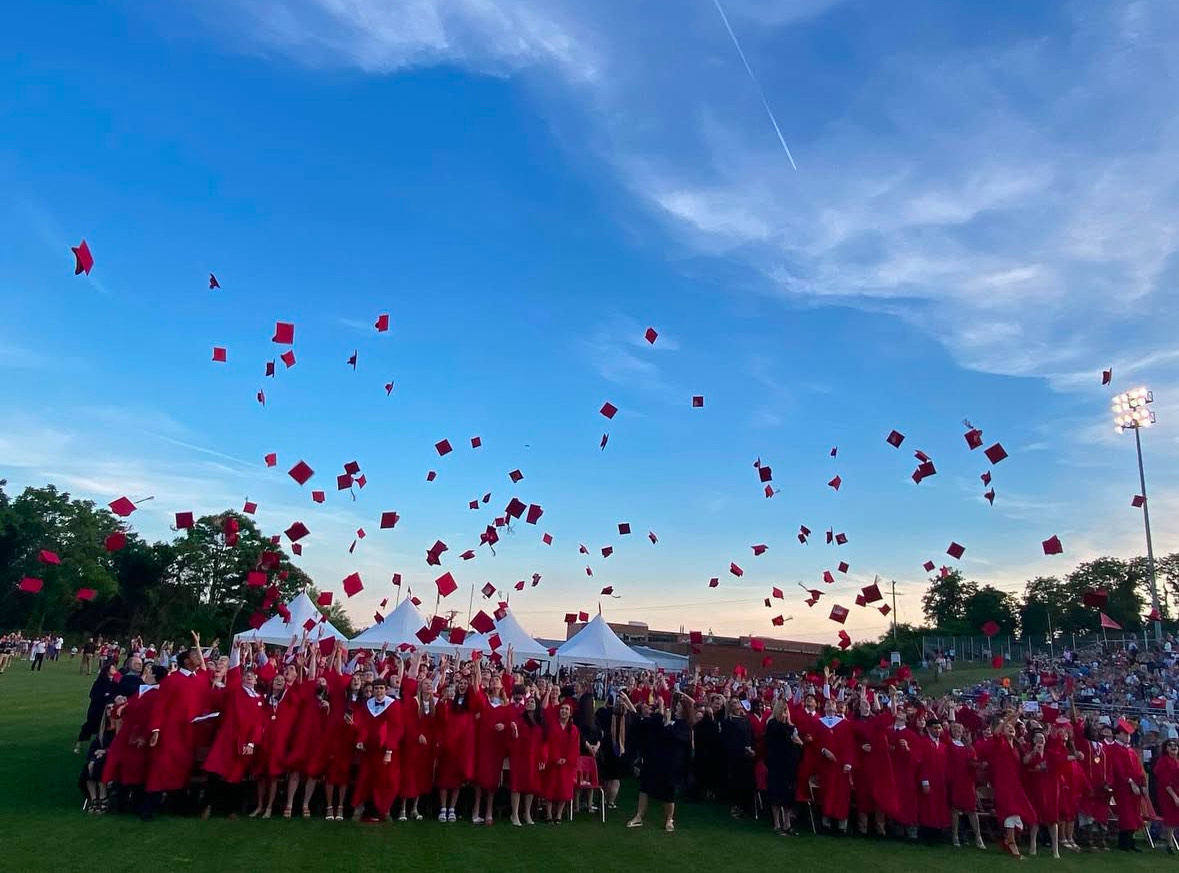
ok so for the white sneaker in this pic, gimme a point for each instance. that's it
(450, 816)
(442, 816)
(476, 819)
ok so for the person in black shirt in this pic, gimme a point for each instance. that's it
(783, 750)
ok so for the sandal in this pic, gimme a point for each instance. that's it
(306, 812)
(635, 823)
(286, 813)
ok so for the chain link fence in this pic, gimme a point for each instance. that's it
(971, 649)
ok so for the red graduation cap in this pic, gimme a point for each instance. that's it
(765, 473)
(1106, 376)
(608, 409)
(759, 549)
(1052, 546)
(482, 622)
(767, 603)
(605, 439)
(468, 554)
(83, 260)
(834, 451)
(270, 368)
(256, 579)
(534, 513)
(220, 355)
(928, 566)
(990, 628)
(309, 625)
(257, 620)
(651, 536)
(515, 475)
(608, 590)
(843, 566)
(318, 496)
(1137, 501)
(735, 570)
(122, 507)
(583, 616)
(838, 613)
(487, 497)
(885, 610)
(835, 483)
(570, 618)
(955, 550)
(840, 539)
(996, 453)
(326, 646)
(697, 401)
(895, 438)
(396, 580)
(589, 571)
(990, 496)
(844, 640)
(861, 600)
(115, 541)
(696, 638)
(476, 442)
(924, 471)
(494, 641)
(213, 283)
(431, 476)
(382, 323)
(547, 539)
(973, 438)
(777, 621)
(296, 531)
(388, 388)
(515, 507)
(433, 553)
(777, 592)
(713, 582)
(770, 492)
(352, 584)
(301, 472)
(607, 551)
(446, 585)
(261, 395)
(519, 586)
(651, 335)
(623, 528)
(284, 333)
(756, 644)
(31, 584)
(271, 459)
(389, 520)
(288, 358)
(443, 447)
(47, 557)
(250, 507)
(457, 635)
(803, 531)
(324, 599)
(352, 363)
(85, 594)
(1154, 615)
(582, 549)
(343, 482)
(828, 578)
(488, 589)
(872, 593)
(426, 635)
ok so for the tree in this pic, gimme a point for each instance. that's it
(1123, 581)
(990, 604)
(944, 603)
(1044, 606)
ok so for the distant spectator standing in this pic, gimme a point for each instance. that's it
(88, 650)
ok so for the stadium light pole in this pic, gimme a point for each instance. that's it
(1131, 412)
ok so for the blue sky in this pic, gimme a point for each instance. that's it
(984, 216)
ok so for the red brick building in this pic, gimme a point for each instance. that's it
(718, 653)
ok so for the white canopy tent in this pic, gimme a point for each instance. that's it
(596, 645)
(400, 626)
(275, 631)
(511, 633)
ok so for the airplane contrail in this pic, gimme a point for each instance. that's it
(756, 84)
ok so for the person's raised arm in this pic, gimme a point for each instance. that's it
(196, 641)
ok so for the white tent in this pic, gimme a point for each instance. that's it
(275, 631)
(668, 661)
(596, 645)
(511, 633)
(400, 626)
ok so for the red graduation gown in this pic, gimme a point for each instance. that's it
(961, 770)
(1041, 783)
(243, 720)
(834, 782)
(126, 762)
(339, 748)
(933, 797)
(491, 745)
(805, 723)
(380, 729)
(1125, 766)
(304, 754)
(276, 738)
(1094, 764)
(1166, 775)
(456, 741)
(417, 757)
(563, 744)
(171, 760)
(1010, 798)
(875, 788)
(904, 768)
(526, 751)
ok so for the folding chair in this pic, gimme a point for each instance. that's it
(761, 778)
(812, 786)
(585, 778)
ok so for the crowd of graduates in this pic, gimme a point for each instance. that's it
(317, 731)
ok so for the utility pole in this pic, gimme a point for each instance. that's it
(894, 613)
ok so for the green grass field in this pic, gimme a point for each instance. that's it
(42, 828)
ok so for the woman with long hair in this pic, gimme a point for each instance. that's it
(665, 759)
(527, 755)
(1013, 810)
(456, 738)
(1072, 782)
(339, 746)
(962, 767)
(783, 748)
(282, 709)
(613, 757)
(590, 744)
(1041, 779)
(239, 735)
(491, 739)
(417, 747)
(1166, 779)
(563, 742)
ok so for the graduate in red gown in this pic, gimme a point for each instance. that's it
(962, 768)
(1071, 779)
(417, 744)
(933, 798)
(491, 747)
(271, 759)
(379, 735)
(875, 790)
(1166, 780)
(1041, 781)
(805, 718)
(836, 743)
(1013, 810)
(239, 735)
(1128, 780)
(170, 730)
(456, 737)
(563, 744)
(901, 741)
(305, 760)
(1094, 808)
(345, 697)
(126, 762)
(527, 755)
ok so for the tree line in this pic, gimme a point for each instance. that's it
(198, 580)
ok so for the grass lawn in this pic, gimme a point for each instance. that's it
(41, 827)
(963, 674)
